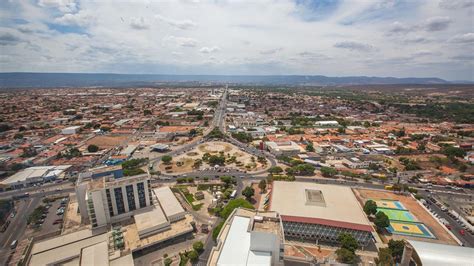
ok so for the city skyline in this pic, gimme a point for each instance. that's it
(332, 38)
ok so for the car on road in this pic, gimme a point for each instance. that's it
(462, 232)
(12, 215)
(14, 244)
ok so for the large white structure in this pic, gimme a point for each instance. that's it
(287, 148)
(249, 238)
(317, 212)
(32, 175)
(70, 130)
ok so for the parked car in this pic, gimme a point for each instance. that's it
(462, 232)
(14, 244)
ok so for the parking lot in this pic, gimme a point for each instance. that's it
(51, 219)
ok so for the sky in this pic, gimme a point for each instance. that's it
(399, 38)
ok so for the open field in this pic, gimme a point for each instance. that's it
(442, 236)
(106, 142)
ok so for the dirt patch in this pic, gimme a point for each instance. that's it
(416, 209)
(106, 142)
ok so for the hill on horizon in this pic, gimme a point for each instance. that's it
(43, 80)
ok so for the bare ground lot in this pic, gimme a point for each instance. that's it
(415, 208)
(106, 142)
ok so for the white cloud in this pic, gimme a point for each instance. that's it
(62, 5)
(79, 19)
(437, 23)
(139, 23)
(263, 37)
(207, 50)
(354, 46)
(464, 38)
(180, 24)
(180, 41)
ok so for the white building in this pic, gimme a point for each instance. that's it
(287, 148)
(249, 238)
(327, 123)
(32, 175)
(70, 130)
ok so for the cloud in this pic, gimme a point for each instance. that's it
(180, 41)
(271, 51)
(437, 23)
(79, 19)
(284, 37)
(398, 27)
(354, 46)
(455, 4)
(420, 53)
(62, 5)
(463, 38)
(465, 57)
(207, 50)
(139, 24)
(9, 39)
(180, 24)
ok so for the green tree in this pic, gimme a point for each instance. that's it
(381, 220)
(193, 255)
(262, 185)
(18, 136)
(146, 112)
(310, 147)
(370, 207)
(248, 192)
(168, 261)
(384, 257)
(216, 160)
(275, 170)
(227, 181)
(166, 159)
(452, 152)
(328, 171)
(396, 247)
(346, 256)
(348, 242)
(198, 246)
(92, 148)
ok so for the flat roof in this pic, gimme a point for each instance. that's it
(97, 254)
(34, 172)
(236, 249)
(150, 220)
(320, 204)
(168, 201)
(58, 252)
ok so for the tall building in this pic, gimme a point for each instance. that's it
(106, 196)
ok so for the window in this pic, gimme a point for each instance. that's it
(119, 200)
(130, 198)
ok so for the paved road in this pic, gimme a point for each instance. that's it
(467, 239)
(17, 226)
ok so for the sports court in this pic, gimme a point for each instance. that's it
(402, 222)
(410, 229)
(389, 204)
(398, 215)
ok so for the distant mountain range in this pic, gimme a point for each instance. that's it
(41, 80)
